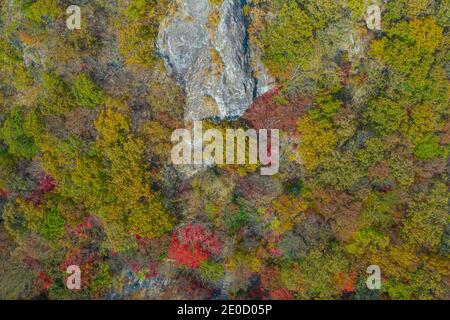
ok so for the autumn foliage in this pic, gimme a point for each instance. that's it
(268, 112)
(193, 244)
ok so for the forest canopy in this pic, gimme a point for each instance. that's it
(86, 118)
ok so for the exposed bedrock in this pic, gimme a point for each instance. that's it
(205, 48)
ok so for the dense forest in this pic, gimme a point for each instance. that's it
(86, 118)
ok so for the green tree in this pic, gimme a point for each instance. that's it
(138, 26)
(53, 225)
(86, 94)
(211, 271)
(427, 218)
(385, 115)
(13, 134)
(288, 41)
(55, 97)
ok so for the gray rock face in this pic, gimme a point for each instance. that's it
(204, 47)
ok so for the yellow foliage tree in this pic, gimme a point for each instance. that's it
(318, 140)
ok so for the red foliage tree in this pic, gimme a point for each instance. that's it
(135, 267)
(346, 69)
(43, 281)
(152, 270)
(47, 184)
(83, 248)
(271, 282)
(339, 208)
(347, 282)
(193, 244)
(3, 194)
(280, 294)
(267, 113)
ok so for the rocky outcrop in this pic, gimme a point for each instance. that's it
(204, 47)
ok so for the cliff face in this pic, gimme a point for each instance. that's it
(204, 47)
